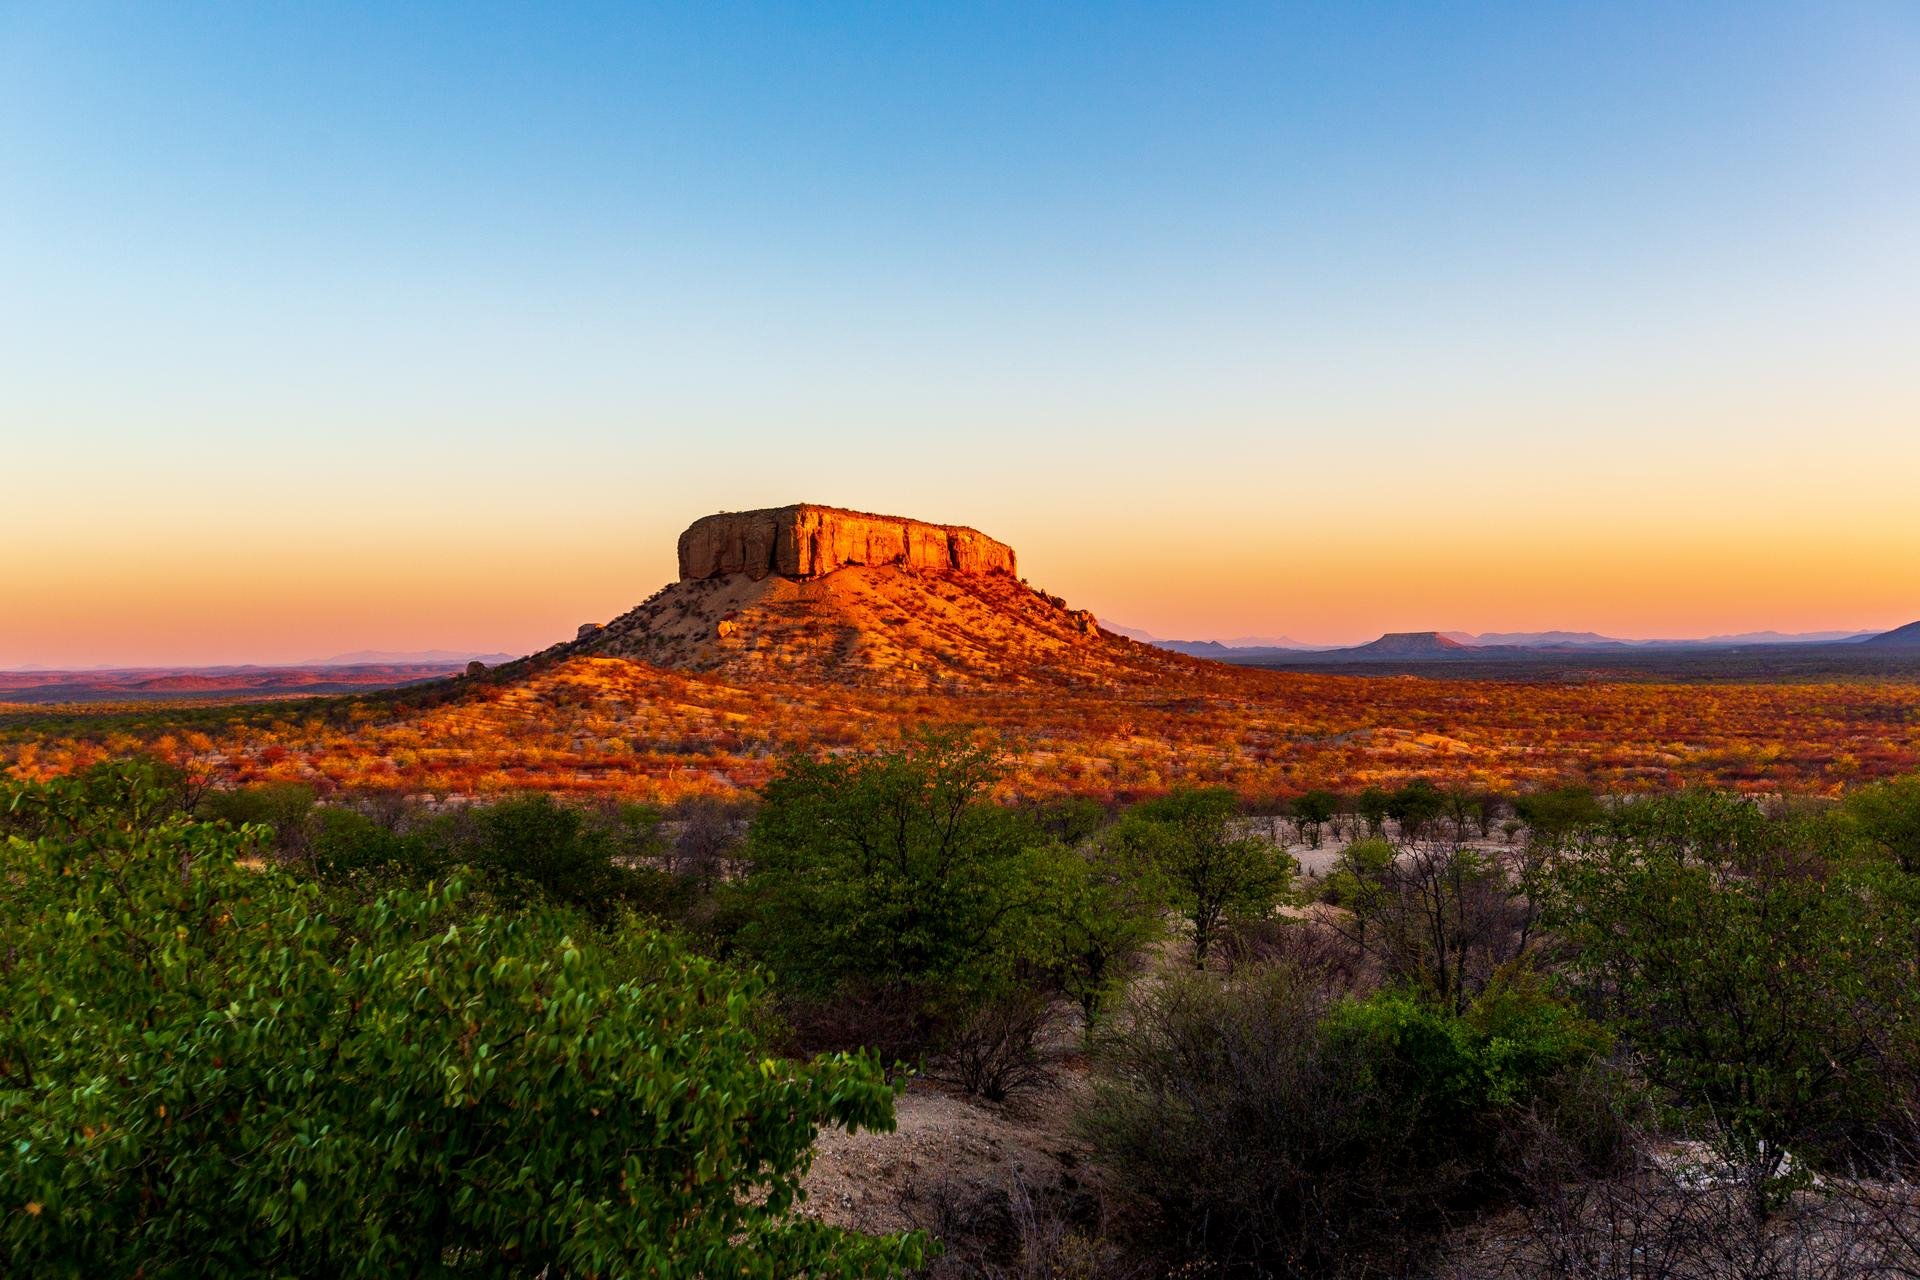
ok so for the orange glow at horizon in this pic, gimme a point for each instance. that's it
(1257, 524)
(188, 602)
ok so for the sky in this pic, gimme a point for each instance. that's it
(332, 327)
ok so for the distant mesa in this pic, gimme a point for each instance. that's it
(807, 541)
(1409, 644)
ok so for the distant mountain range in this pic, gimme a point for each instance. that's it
(229, 683)
(1531, 639)
(378, 668)
(1238, 647)
(1404, 645)
(358, 658)
(1594, 640)
(382, 657)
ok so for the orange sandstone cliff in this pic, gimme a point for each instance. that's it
(805, 541)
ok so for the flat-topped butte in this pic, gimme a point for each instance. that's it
(808, 541)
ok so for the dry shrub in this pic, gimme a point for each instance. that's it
(892, 1020)
(707, 840)
(994, 1051)
(1024, 1232)
(1656, 1225)
(1640, 1207)
(1216, 1104)
(1282, 1131)
(1309, 947)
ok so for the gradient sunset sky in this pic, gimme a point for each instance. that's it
(335, 327)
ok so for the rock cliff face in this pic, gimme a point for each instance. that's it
(803, 541)
(761, 597)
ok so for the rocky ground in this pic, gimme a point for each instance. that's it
(951, 1154)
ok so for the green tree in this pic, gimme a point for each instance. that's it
(1756, 973)
(895, 869)
(1312, 811)
(1462, 808)
(1108, 910)
(1358, 881)
(206, 1071)
(1887, 815)
(1213, 873)
(1440, 919)
(1415, 806)
(1487, 807)
(286, 807)
(1556, 813)
(1372, 804)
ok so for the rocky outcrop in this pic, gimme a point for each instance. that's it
(818, 595)
(803, 541)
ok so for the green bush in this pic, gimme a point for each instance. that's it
(286, 807)
(896, 870)
(120, 798)
(1887, 816)
(1761, 972)
(1300, 1137)
(1213, 875)
(1068, 819)
(1558, 812)
(348, 847)
(519, 850)
(1107, 907)
(533, 848)
(206, 1071)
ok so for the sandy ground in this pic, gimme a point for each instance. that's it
(949, 1147)
(1315, 863)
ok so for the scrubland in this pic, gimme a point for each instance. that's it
(611, 726)
(898, 1014)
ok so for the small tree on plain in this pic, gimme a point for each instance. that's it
(1212, 874)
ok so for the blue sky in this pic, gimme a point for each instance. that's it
(1235, 319)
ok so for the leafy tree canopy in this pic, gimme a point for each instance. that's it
(1213, 872)
(207, 1071)
(896, 868)
(1756, 971)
